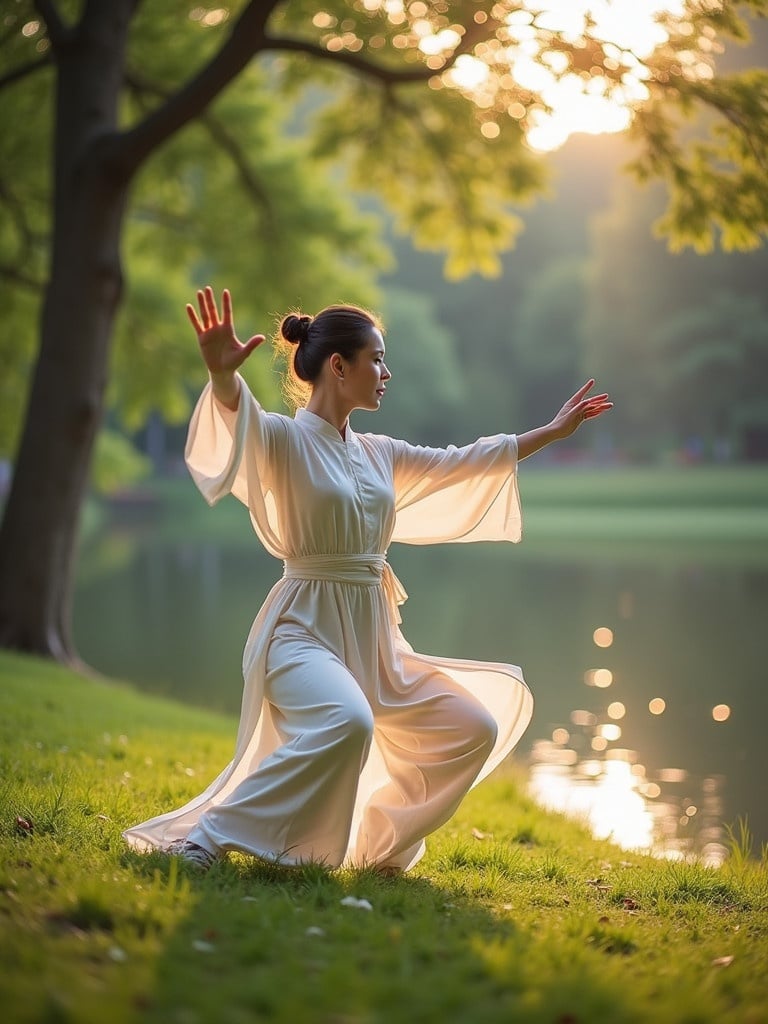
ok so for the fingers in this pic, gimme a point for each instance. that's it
(209, 314)
(253, 343)
(597, 410)
(596, 407)
(582, 391)
(210, 307)
(226, 300)
(194, 319)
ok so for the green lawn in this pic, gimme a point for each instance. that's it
(670, 487)
(534, 922)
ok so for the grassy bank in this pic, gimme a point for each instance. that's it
(647, 504)
(514, 915)
(691, 505)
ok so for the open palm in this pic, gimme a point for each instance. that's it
(578, 408)
(219, 345)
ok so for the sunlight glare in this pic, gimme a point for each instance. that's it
(612, 804)
(468, 72)
(563, 98)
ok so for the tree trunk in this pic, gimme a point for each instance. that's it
(38, 536)
(39, 531)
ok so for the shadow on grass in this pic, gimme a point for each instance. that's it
(264, 943)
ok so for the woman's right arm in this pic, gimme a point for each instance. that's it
(220, 348)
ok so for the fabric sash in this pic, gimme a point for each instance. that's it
(366, 570)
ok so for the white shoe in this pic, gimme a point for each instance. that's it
(198, 857)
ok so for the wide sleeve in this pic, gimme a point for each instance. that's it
(237, 452)
(457, 494)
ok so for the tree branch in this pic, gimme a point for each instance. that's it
(24, 69)
(219, 134)
(245, 39)
(734, 116)
(18, 214)
(228, 143)
(15, 275)
(346, 58)
(473, 34)
(56, 28)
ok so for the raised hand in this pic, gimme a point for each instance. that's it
(219, 346)
(578, 408)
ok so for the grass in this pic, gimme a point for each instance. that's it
(535, 922)
(659, 504)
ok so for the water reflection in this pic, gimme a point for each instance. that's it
(668, 812)
(683, 677)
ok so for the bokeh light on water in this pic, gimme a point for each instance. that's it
(603, 636)
(686, 663)
(581, 772)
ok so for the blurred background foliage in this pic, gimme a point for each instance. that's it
(353, 211)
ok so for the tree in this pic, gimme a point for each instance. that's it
(548, 338)
(426, 110)
(429, 392)
(716, 361)
(680, 340)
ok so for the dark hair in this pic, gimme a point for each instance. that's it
(342, 329)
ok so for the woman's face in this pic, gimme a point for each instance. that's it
(366, 376)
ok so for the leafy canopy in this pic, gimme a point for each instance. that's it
(423, 104)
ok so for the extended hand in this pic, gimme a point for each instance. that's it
(579, 408)
(219, 346)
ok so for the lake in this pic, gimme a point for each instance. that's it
(647, 659)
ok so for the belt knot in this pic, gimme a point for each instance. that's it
(368, 570)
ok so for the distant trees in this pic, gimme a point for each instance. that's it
(681, 341)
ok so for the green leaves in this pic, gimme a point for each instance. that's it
(448, 186)
(264, 191)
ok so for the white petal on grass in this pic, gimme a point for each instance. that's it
(353, 901)
(202, 946)
(315, 931)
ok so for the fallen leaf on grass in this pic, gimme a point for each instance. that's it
(25, 826)
(722, 961)
(479, 834)
(630, 904)
(203, 947)
(315, 931)
(353, 901)
(117, 954)
(599, 884)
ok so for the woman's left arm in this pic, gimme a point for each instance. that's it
(578, 408)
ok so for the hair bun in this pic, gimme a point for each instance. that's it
(295, 328)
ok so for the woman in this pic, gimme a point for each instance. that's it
(351, 746)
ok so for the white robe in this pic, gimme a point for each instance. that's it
(330, 507)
